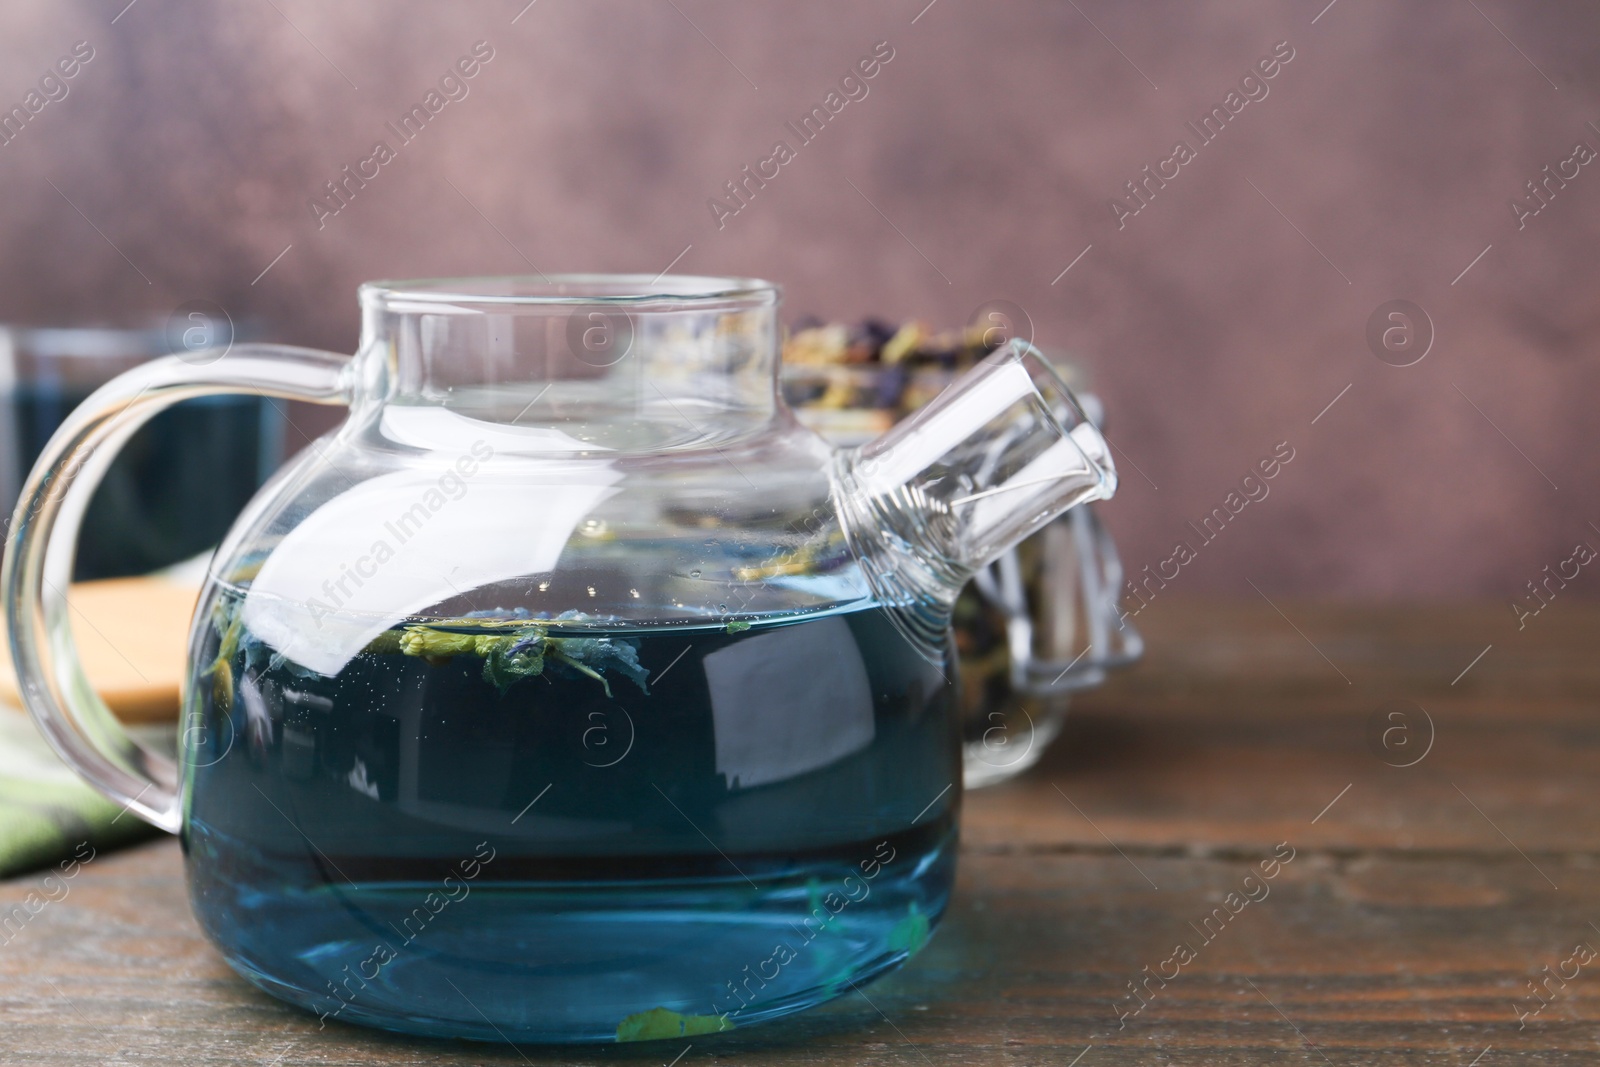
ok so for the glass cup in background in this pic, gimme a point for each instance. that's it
(178, 485)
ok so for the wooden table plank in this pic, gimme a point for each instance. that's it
(1236, 732)
(1403, 931)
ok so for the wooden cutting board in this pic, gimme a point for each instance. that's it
(132, 635)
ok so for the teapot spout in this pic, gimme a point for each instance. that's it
(997, 455)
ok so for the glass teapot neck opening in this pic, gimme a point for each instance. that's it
(594, 350)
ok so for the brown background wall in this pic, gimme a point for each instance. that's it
(995, 138)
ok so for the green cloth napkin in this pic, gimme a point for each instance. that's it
(47, 811)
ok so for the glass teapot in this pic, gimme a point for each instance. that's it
(570, 690)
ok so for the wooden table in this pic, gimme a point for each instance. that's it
(1419, 903)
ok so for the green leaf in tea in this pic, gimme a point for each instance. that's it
(660, 1023)
(510, 657)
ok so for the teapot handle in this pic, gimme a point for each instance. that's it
(44, 538)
